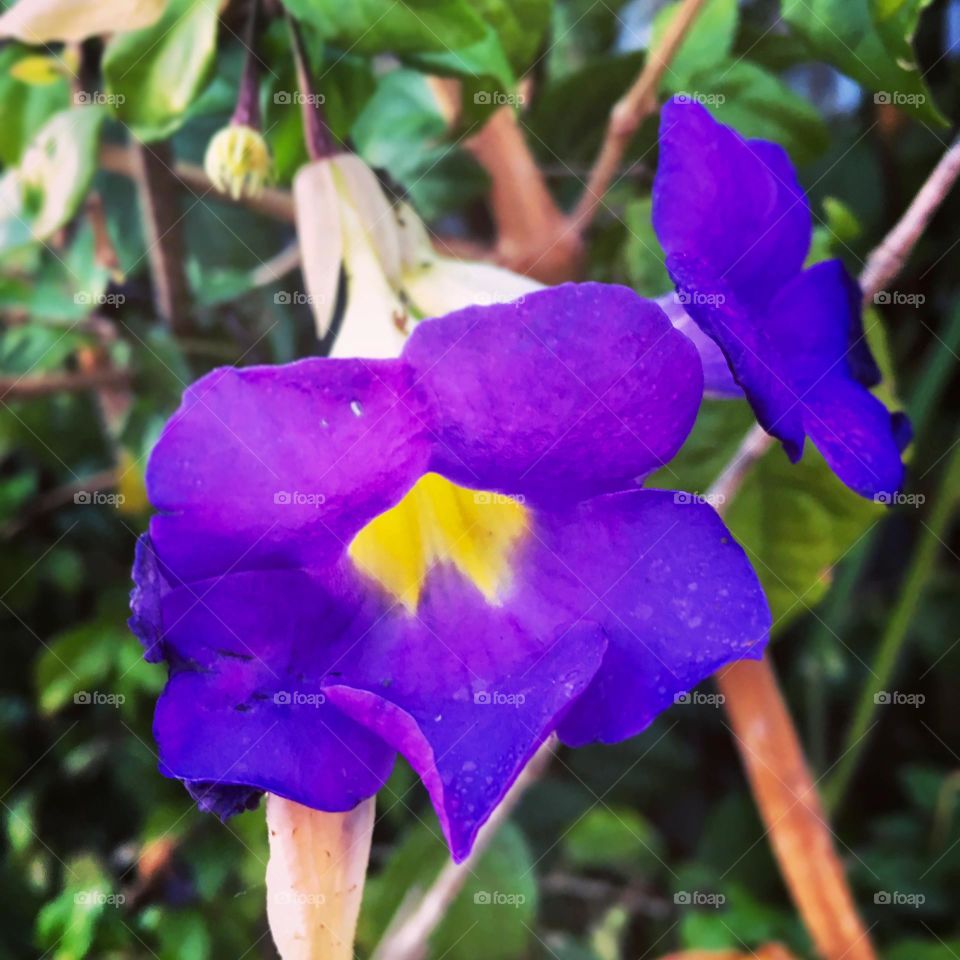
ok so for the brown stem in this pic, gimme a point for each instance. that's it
(887, 260)
(152, 170)
(533, 235)
(791, 810)
(247, 110)
(44, 385)
(316, 133)
(638, 103)
(272, 202)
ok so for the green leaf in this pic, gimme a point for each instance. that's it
(78, 665)
(608, 837)
(25, 107)
(520, 25)
(642, 253)
(66, 926)
(834, 234)
(707, 44)
(758, 104)
(796, 521)
(155, 74)
(923, 950)
(491, 916)
(401, 131)
(402, 28)
(448, 37)
(870, 41)
(43, 193)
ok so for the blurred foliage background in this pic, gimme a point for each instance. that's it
(635, 850)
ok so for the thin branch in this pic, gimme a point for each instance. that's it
(46, 384)
(753, 446)
(409, 936)
(638, 103)
(161, 223)
(887, 260)
(272, 202)
(534, 237)
(786, 796)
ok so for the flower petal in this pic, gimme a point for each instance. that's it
(731, 203)
(523, 391)
(717, 379)
(676, 596)
(857, 436)
(245, 703)
(281, 466)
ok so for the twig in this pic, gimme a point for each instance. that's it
(638, 103)
(161, 223)
(59, 497)
(408, 938)
(790, 807)
(43, 385)
(753, 446)
(887, 260)
(534, 237)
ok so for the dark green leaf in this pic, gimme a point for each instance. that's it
(870, 41)
(155, 74)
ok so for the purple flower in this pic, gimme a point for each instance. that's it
(447, 555)
(736, 228)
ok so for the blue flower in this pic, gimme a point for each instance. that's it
(447, 554)
(736, 229)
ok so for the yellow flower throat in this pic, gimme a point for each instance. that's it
(438, 521)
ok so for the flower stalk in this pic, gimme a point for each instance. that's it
(315, 877)
(316, 133)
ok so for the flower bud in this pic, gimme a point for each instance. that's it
(238, 161)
